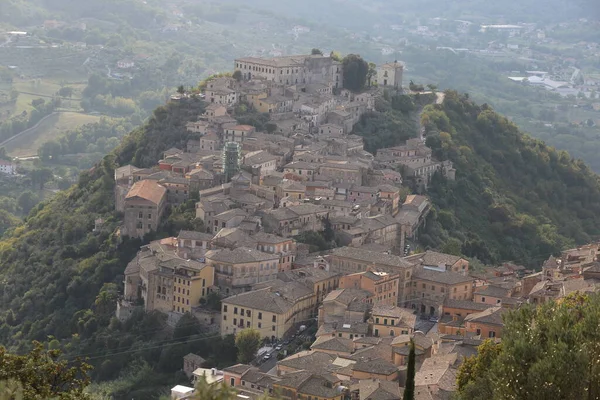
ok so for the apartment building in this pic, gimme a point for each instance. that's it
(238, 269)
(272, 310)
(166, 282)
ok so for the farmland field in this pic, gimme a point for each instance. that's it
(50, 128)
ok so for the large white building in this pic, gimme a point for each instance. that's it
(292, 70)
(8, 167)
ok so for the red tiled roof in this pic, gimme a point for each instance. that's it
(148, 190)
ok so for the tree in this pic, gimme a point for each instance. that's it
(65, 91)
(316, 52)
(213, 301)
(355, 72)
(187, 326)
(548, 352)
(409, 387)
(206, 391)
(41, 375)
(372, 73)
(26, 201)
(336, 56)
(181, 89)
(40, 176)
(237, 75)
(415, 88)
(271, 127)
(432, 87)
(247, 342)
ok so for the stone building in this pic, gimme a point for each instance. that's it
(144, 206)
(292, 70)
(390, 74)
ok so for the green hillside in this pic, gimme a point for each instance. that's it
(514, 197)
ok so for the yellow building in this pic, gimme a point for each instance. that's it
(392, 321)
(190, 284)
(272, 310)
(165, 281)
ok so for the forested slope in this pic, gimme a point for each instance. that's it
(59, 280)
(514, 198)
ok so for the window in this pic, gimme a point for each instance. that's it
(149, 216)
(225, 308)
(483, 299)
(492, 334)
(259, 325)
(259, 315)
(140, 215)
(274, 318)
(385, 321)
(424, 286)
(478, 331)
(235, 311)
(224, 317)
(392, 322)
(273, 328)
(376, 320)
(433, 287)
(248, 313)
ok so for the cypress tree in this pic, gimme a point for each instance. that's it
(409, 388)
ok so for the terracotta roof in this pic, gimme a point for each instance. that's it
(336, 344)
(492, 315)
(371, 389)
(310, 361)
(237, 369)
(377, 366)
(147, 190)
(192, 235)
(447, 277)
(240, 255)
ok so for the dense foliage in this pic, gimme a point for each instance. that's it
(41, 375)
(547, 352)
(514, 198)
(355, 72)
(98, 138)
(60, 279)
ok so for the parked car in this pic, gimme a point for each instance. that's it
(434, 319)
(279, 347)
(266, 357)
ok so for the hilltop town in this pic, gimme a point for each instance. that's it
(336, 322)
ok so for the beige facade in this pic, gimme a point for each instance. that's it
(144, 206)
(292, 70)
(390, 74)
(383, 285)
(347, 260)
(166, 282)
(430, 288)
(272, 311)
(238, 269)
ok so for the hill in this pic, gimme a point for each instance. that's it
(514, 198)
